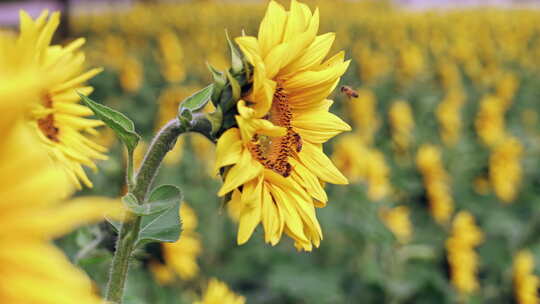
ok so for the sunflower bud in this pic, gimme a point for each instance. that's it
(227, 89)
(230, 86)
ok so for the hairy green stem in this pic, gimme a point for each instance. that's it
(127, 236)
(130, 179)
(162, 143)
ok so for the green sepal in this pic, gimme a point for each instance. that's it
(220, 81)
(216, 120)
(218, 76)
(235, 86)
(237, 61)
(165, 225)
(118, 122)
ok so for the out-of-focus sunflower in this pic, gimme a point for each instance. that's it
(525, 282)
(277, 165)
(218, 292)
(402, 122)
(436, 182)
(33, 270)
(58, 118)
(463, 260)
(398, 221)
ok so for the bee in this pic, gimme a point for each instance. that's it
(349, 92)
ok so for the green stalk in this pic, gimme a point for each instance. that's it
(162, 143)
(129, 231)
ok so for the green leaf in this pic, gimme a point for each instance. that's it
(167, 198)
(196, 101)
(165, 225)
(121, 125)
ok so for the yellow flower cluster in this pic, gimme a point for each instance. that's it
(363, 112)
(171, 57)
(462, 258)
(448, 114)
(479, 43)
(490, 122)
(398, 221)
(402, 123)
(131, 74)
(353, 153)
(505, 169)
(525, 282)
(180, 257)
(506, 151)
(361, 163)
(436, 181)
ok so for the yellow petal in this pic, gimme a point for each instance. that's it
(308, 180)
(60, 220)
(293, 222)
(245, 170)
(296, 23)
(250, 47)
(319, 126)
(272, 26)
(314, 158)
(229, 149)
(309, 99)
(271, 218)
(76, 81)
(251, 213)
(309, 79)
(313, 56)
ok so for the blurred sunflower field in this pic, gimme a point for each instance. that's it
(443, 200)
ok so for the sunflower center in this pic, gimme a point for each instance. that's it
(46, 124)
(273, 152)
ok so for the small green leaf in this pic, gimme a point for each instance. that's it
(162, 226)
(121, 125)
(197, 101)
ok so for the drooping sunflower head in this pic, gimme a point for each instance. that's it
(272, 161)
(57, 116)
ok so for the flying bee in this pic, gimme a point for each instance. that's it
(349, 92)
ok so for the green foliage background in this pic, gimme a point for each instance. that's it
(359, 260)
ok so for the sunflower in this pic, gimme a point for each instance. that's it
(33, 270)
(57, 117)
(273, 161)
